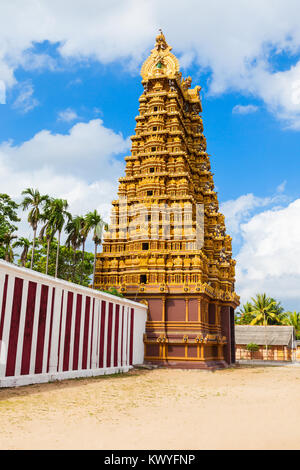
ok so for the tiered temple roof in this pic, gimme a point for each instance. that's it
(167, 237)
(169, 172)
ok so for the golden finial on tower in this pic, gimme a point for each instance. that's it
(161, 42)
(161, 61)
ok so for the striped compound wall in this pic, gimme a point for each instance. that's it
(52, 329)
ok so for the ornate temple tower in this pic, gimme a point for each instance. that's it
(167, 245)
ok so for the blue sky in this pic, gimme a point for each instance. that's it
(250, 152)
(69, 87)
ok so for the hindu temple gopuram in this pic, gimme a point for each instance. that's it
(167, 245)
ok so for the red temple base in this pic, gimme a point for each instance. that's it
(210, 365)
(189, 332)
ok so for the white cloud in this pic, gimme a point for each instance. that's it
(80, 166)
(281, 187)
(86, 150)
(240, 109)
(25, 101)
(238, 211)
(281, 93)
(269, 260)
(32, 61)
(76, 81)
(234, 40)
(67, 115)
(2, 92)
(98, 111)
(82, 197)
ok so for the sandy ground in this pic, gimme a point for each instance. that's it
(242, 408)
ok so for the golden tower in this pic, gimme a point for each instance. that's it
(166, 245)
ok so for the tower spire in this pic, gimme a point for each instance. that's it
(161, 42)
(161, 61)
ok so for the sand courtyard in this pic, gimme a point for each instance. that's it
(238, 408)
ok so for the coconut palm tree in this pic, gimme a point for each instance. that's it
(292, 319)
(23, 243)
(73, 229)
(85, 230)
(58, 216)
(265, 310)
(36, 201)
(244, 315)
(279, 309)
(47, 230)
(94, 221)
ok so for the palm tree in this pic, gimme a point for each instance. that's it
(265, 310)
(292, 319)
(245, 315)
(7, 239)
(94, 221)
(85, 230)
(58, 216)
(24, 243)
(47, 230)
(35, 200)
(73, 229)
(279, 310)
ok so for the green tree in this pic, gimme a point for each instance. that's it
(252, 347)
(57, 218)
(292, 319)
(7, 239)
(47, 230)
(94, 221)
(244, 316)
(66, 268)
(23, 243)
(265, 311)
(113, 291)
(36, 202)
(8, 218)
(4, 229)
(85, 230)
(278, 309)
(73, 229)
(8, 211)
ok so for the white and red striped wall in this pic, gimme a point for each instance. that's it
(52, 329)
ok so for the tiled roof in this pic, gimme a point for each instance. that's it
(261, 335)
